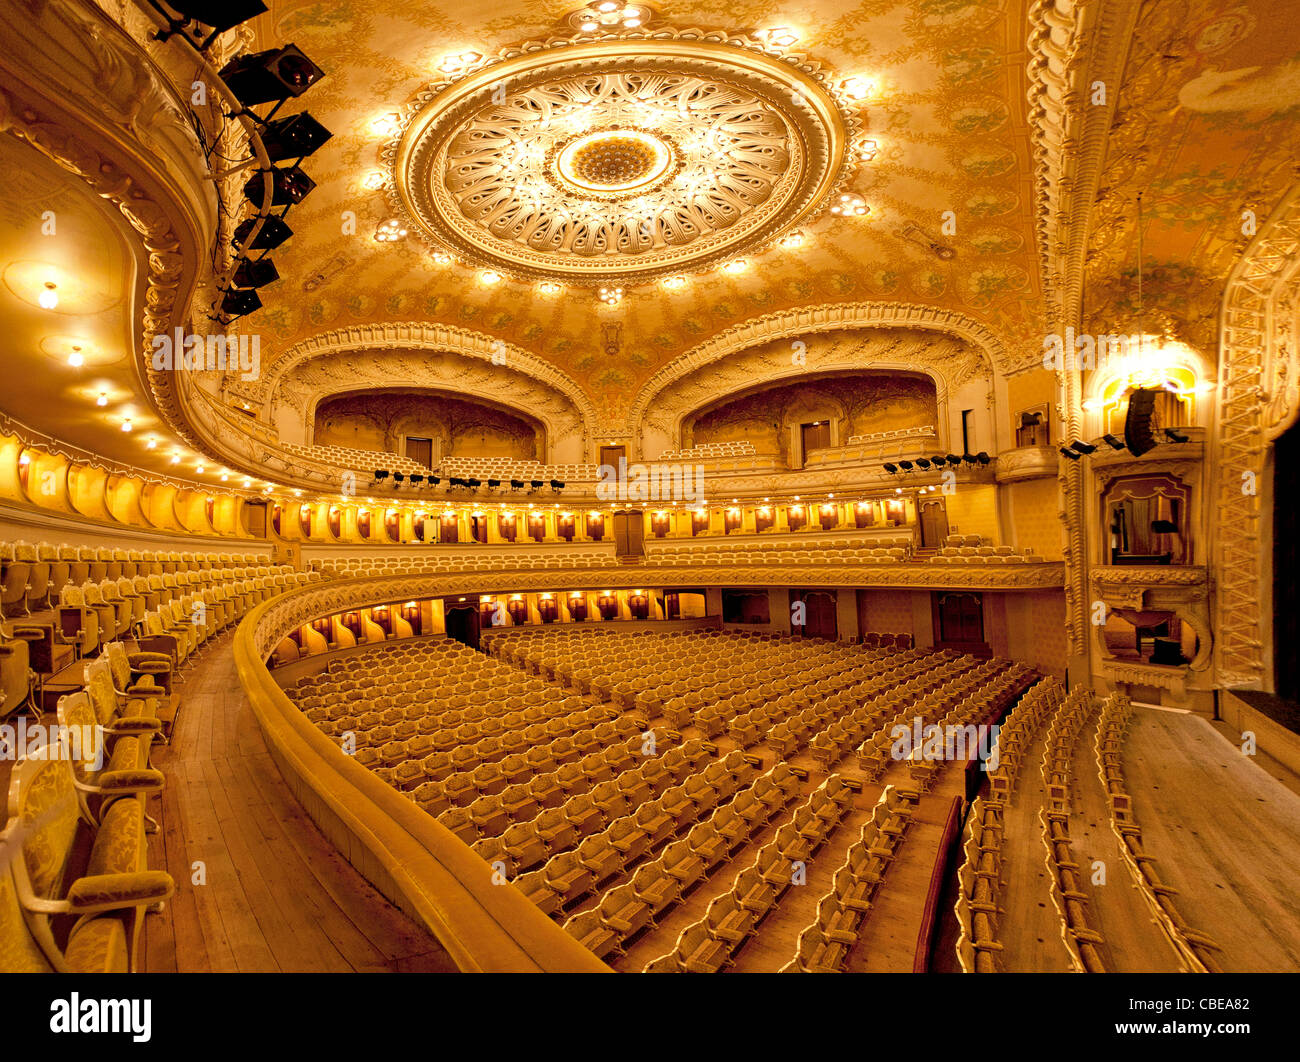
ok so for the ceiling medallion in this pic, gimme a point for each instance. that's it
(620, 160)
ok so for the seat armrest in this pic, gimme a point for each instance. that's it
(106, 892)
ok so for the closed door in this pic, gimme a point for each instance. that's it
(959, 618)
(934, 524)
(610, 455)
(420, 451)
(816, 436)
(629, 534)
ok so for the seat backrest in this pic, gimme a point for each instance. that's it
(43, 802)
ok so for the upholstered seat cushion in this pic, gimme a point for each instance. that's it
(119, 844)
(98, 946)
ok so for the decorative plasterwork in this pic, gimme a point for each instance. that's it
(747, 142)
(85, 96)
(948, 361)
(1258, 399)
(1028, 462)
(813, 320)
(1181, 590)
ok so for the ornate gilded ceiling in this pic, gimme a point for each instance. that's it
(620, 160)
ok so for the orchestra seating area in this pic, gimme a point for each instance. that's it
(608, 773)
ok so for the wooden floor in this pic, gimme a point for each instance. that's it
(277, 895)
(1225, 833)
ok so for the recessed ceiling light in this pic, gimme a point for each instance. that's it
(76, 359)
(176, 459)
(488, 276)
(386, 124)
(49, 297)
(674, 283)
(738, 266)
(374, 180)
(126, 423)
(792, 239)
(868, 150)
(199, 469)
(102, 400)
(857, 88)
(152, 444)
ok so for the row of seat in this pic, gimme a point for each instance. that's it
(979, 876)
(896, 433)
(33, 574)
(83, 792)
(362, 461)
(491, 558)
(824, 945)
(514, 468)
(731, 918)
(750, 552)
(738, 448)
(1197, 950)
(1079, 931)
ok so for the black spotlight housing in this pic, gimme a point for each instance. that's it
(557, 485)
(1067, 452)
(434, 480)
(982, 457)
(475, 483)
(953, 459)
(1112, 442)
(1174, 436)
(536, 484)
(398, 478)
(272, 233)
(1082, 447)
(238, 302)
(906, 466)
(493, 484)
(517, 484)
(289, 185)
(255, 274)
(293, 137)
(272, 76)
(923, 462)
(890, 467)
(381, 474)
(415, 478)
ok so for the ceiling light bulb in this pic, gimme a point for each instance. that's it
(589, 27)
(674, 283)
(75, 359)
(49, 298)
(738, 266)
(199, 469)
(386, 124)
(793, 239)
(152, 444)
(374, 180)
(857, 88)
(489, 277)
(126, 423)
(607, 5)
(176, 459)
(102, 400)
(868, 150)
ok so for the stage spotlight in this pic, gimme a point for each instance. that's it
(475, 483)
(556, 485)
(272, 76)
(953, 459)
(1082, 447)
(381, 474)
(493, 484)
(1174, 436)
(415, 478)
(239, 303)
(293, 137)
(397, 478)
(516, 484)
(982, 457)
(923, 462)
(890, 467)
(434, 480)
(1112, 442)
(937, 461)
(1065, 452)
(257, 274)
(272, 233)
(289, 185)
(906, 466)
(536, 484)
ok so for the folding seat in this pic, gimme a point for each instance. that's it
(697, 952)
(792, 844)
(726, 920)
(586, 817)
(611, 800)
(536, 887)
(654, 822)
(519, 802)
(457, 819)
(431, 797)
(571, 778)
(752, 810)
(701, 793)
(593, 934)
(554, 830)
(677, 803)
(460, 789)
(79, 624)
(98, 560)
(810, 827)
(117, 883)
(624, 912)
(752, 893)
(488, 779)
(706, 842)
(679, 861)
(596, 768)
(733, 829)
(567, 877)
(854, 892)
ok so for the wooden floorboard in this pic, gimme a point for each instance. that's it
(278, 896)
(1225, 834)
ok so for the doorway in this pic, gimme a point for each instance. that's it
(959, 622)
(815, 436)
(463, 625)
(629, 533)
(934, 524)
(420, 451)
(611, 455)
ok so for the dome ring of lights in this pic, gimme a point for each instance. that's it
(620, 160)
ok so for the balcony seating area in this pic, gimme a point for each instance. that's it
(362, 462)
(710, 452)
(471, 559)
(508, 468)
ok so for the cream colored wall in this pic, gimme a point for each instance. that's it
(972, 510)
(1033, 518)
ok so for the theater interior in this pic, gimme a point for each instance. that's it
(649, 487)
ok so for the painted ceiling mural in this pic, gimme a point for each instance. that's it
(947, 114)
(1205, 125)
